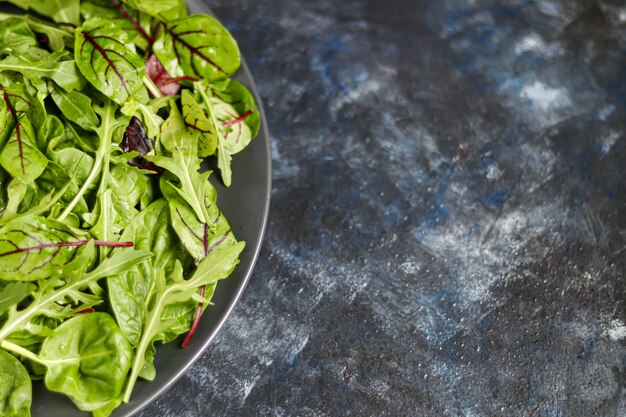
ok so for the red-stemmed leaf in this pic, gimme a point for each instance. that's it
(197, 46)
(19, 154)
(160, 77)
(128, 19)
(35, 248)
(108, 60)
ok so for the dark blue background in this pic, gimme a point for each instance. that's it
(448, 233)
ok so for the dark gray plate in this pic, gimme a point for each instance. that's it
(246, 206)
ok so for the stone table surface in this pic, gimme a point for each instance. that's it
(448, 232)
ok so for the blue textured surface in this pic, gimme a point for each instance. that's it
(447, 235)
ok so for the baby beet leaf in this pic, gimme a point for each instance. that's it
(107, 58)
(36, 248)
(76, 107)
(237, 95)
(20, 156)
(160, 77)
(124, 17)
(15, 387)
(88, 359)
(199, 237)
(163, 9)
(196, 120)
(198, 46)
(233, 133)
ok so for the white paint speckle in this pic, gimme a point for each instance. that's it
(531, 42)
(616, 331)
(410, 267)
(493, 172)
(545, 97)
(608, 141)
(605, 112)
(361, 92)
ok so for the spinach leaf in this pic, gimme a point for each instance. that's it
(107, 58)
(12, 293)
(128, 292)
(216, 266)
(76, 107)
(128, 185)
(15, 387)
(197, 46)
(61, 11)
(88, 359)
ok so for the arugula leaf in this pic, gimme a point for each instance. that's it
(183, 162)
(59, 37)
(109, 123)
(64, 73)
(198, 46)
(107, 58)
(48, 298)
(16, 36)
(216, 266)
(88, 359)
(15, 387)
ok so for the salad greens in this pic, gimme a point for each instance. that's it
(111, 239)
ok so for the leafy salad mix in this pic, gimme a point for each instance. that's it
(110, 236)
